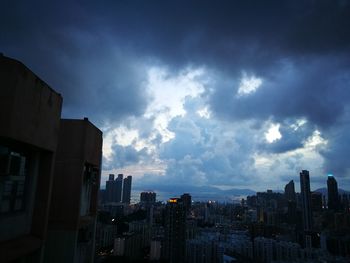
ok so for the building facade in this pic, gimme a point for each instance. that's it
(127, 190)
(175, 231)
(30, 114)
(72, 221)
(110, 189)
(333, 195)
(306, 200)
(148, 198)
(289, 191)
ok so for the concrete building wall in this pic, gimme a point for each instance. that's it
(73, 208)
(30, 119)
(30, 109)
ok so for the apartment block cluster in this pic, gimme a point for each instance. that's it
(49, 173)
(266, 227)
(299, 227)
(114, 202)
(117, 190)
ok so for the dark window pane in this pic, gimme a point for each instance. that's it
(5, 206)
(20, 188)
(18, 205)
(4, 160)
(15, 165)
(7, 188)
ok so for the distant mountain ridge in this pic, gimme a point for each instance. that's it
(199, 192)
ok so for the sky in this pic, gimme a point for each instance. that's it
(232, 94)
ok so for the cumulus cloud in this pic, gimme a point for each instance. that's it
(125, 156)
(188, 91)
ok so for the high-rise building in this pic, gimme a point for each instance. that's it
(333, 198)
(148, 198)
(187, 200)
(289, 191)
(155, 250)
(175, 231)
(49, 171)
(127, 190)
(30, 113)
(72, 219)
(306, 200)
(316, 202)
(118, 188)
(114, 189)
(292, 212)
(203, 250)
(129, 246)
(110, 189)
(345, 202)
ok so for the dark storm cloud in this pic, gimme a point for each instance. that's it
(69, 43)
(316, 89)
(97, 55)
(337, 153)
(230, 32)
(67, 49)
(293, 137)
(123, 156)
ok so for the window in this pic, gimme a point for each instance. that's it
(12, 180)
(89, 180)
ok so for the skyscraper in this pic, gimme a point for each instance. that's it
(127, 189)
(316, 202)
(114, 188)
(333, 198)
(110, 189)
(187, 201)
(118, 188)
(289, 191)
(30, 121)
(306, 200)
(175, 231)
(74, 193)
(148, 197)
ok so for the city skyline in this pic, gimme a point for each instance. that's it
(232, 94)
(209, 194)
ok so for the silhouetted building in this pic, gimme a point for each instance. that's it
(203, 250)
(118, 188)
(155, 250)
(345, 202)
(49, 173)
(110, 189)
(114, 188)
(306, 200)
(148, 197)
(29, 124)
(73, 210)
(175, 231)
(316, 202)
(106, 230)
(292, 213)
(128, 245)
(333, 198)
(127, 189)
(187, 201)
(289, 191)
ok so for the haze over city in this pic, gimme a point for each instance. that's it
(238, 94)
